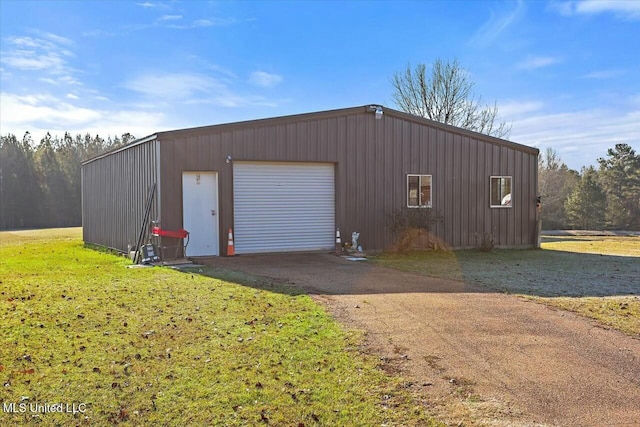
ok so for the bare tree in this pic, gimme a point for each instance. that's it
(446, 96)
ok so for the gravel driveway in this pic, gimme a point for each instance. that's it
(469, 354)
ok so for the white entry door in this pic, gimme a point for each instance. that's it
(200, 212)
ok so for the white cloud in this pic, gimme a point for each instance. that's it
(72, 96)
(43, 113)
(25, 42)
(534, 62)
(52, 45)
(173, 86)
(192, 89)
(49, 80)
(221, 70)
(40, 55)
(70, 80)
(203, 23)
(625, 9)
(66, 79)
(223, 74)
(98, 33)
(498, 23)
(200, 23)
(138, 123)
(603, 74)
(58, 39)
(264, 79)
(232, 100)
(582, 136)
(20, 110)
(517, 108)
(29, 60)
(170, 18)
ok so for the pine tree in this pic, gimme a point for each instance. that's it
(586, 205)
(620, 178)
(20, 196)
(69, 155)
(53, 183)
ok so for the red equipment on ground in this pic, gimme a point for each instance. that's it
(179, 234)
(182, 234)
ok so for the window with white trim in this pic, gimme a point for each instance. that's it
(418, 191)
(501, 196)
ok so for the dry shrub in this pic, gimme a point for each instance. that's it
(406, 241)
(409, 226)
(486, 242)
(414, 238)
(433, 242)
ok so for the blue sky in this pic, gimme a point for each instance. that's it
(565, 74)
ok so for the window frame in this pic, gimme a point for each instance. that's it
(491, 178)
(420, 175)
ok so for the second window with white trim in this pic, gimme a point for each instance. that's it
(418, 191)
(501, 196)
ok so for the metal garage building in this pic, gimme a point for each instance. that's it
(285, 184)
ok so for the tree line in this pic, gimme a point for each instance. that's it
(607, 197)
(40, 184)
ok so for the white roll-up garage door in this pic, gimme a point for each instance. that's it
(283, 207)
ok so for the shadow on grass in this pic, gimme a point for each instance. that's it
(545, 273)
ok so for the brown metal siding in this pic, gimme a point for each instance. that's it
(114, 191)
(372, 160)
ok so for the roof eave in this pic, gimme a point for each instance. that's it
(124, 147)
(461, 131)
(316, 115)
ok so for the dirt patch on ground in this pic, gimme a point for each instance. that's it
(471, 355)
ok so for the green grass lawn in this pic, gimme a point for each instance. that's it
(606, 245)
(155, 346)
(595, 276)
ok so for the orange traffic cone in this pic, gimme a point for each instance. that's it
(231, 251)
